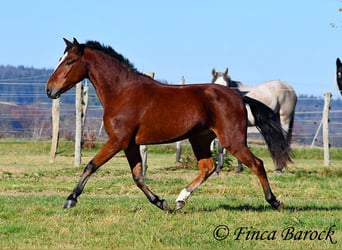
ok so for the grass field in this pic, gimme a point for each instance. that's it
(228, 211)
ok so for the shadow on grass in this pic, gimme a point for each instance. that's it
(261, 208)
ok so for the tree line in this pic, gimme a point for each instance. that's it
(21, 73)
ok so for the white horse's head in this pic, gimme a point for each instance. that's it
(221, 78)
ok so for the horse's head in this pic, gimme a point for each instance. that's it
(70, 70)
(220, 78)
(339, 74)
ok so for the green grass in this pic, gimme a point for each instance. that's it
(113, 213)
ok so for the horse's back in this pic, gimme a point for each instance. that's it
(175, 112)
(200, 98)
(277, 87)
(274, 93)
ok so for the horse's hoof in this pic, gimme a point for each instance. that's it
(70, 203)
(280, 206)
(277, 205)
(163, 205)
(179, 205)
(215, 174)
(239, 170)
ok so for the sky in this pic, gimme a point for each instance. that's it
(289, 40)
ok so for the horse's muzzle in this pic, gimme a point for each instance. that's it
(52, 93)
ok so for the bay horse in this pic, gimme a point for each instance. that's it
(339, 74)
(277, 95)
(138, 110)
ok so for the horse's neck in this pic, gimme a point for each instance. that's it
(108, 75)
(235, 84)
(239, 87)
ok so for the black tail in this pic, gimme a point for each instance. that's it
(268, 123)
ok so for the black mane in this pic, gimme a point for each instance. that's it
(109, 51)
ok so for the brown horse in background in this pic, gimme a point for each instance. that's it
(339, 74)
(137, 110)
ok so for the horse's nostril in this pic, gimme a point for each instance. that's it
(49, 92)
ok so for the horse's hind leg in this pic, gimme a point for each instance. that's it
(235, 142)
(256, 165)
(201, 148)
(134, 159)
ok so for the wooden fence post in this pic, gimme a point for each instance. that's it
(55, 129)
(143, 148)
(78, 130)
(325, 132)
(179, 143)
(85, 99)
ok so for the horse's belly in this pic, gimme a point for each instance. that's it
(163, 131)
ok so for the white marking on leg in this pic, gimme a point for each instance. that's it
(183, 195)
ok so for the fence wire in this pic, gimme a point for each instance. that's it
(25, 113)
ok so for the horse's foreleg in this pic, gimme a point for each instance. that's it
(143, 153)
(220, 154)
(72, 198)
(178, 151)
(134, 159)
(105, 153)
(239, 167)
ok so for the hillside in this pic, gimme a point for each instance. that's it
(23, 74)
(22, 85)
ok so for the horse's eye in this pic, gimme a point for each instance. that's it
(70, 62)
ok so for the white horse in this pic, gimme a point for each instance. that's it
(276, 94)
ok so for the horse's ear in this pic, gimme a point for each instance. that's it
(67, 42)
(76, 43)
(338, 62)
(225, 72)
(77, 47)
(213, 72)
